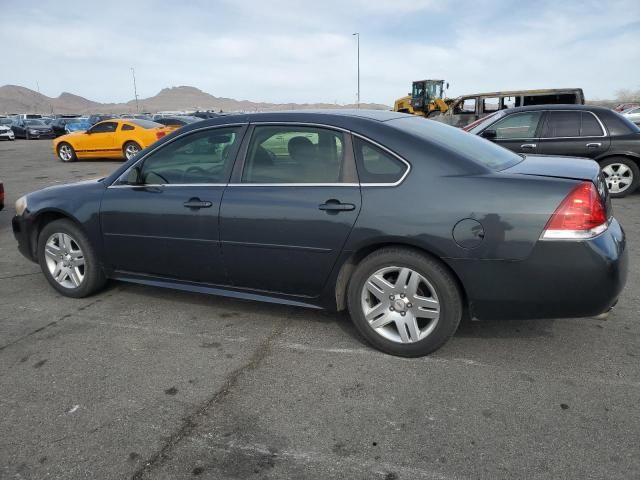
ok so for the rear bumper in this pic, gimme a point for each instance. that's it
(559, 279)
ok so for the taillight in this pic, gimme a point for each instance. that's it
(160, 134)
(1, 194)
(581, 215)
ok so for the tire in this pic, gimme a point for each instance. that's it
(27, 136)
(90, 276)
(436, 284)
(66, 153)
(622, 175)
(130, 149)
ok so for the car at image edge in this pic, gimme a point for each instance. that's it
(404, 221)
(572, 130)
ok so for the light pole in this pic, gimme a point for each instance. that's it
(357, 34)
(135, 90)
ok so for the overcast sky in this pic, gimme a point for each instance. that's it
(304, 51)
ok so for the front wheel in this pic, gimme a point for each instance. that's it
(403, 302)
(66, 153)
(131, 149)
(68, 261)
(621, 175)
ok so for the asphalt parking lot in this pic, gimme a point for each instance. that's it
(138, 382)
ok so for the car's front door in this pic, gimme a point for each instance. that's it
(98, 140)
(286, 216)
(161, 217)
(517, 132)
(573, 133)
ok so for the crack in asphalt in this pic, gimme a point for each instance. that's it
(55, 322)
(190, 422)
(20, 275)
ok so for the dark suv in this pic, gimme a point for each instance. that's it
(572, 130)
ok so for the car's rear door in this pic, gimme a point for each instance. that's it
(161, 217)
(289, 209)
(573, 133)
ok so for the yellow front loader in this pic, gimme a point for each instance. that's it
(426, 99)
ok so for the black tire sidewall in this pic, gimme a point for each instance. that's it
(634, 168)
(446, 288)
(93, 278)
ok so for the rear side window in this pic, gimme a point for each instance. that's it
(377, 166)
(590, 126)
(126, 126)
(562, 124)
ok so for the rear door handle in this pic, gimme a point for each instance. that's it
(197, 203)
(528, 146)
(594, 145)
(336, 206)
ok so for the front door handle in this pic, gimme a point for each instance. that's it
(594, 145)
(336, 206)
(528, 146)
(197, 203)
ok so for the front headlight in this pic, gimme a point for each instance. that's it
(21, 205)
(33, 132)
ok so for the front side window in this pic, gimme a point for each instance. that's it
(295, 154)
(201, 157)
(377, 166)
(104, 127)
(519, 125)
(562, 124)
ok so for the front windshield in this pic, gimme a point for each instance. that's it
(34, 123)
(487, 121)
(5, 121)
(469, 146)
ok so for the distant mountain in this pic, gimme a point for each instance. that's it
(16, 99)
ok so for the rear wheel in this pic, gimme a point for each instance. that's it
(403, 302)
(66, 153)
(621, 175)
(68, 260)
(130, 150)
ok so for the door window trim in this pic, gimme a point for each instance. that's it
(153, 149)
(237, 172)
(546, 119)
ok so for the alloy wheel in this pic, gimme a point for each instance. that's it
(400, 304)
(131, 150)
(618, 177)
(65, 153)
(65, 260)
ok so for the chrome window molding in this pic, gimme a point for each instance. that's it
(554, 138)
(302, 124)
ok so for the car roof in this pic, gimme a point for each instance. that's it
(591, 108)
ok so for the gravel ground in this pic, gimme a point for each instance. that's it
(139, 382)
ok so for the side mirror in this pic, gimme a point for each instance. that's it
(490, 134)
(133, 177)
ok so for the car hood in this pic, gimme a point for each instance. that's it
(574, 168)
(37, 127)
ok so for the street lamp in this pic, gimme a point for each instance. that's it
(135, 90)
(357, 34)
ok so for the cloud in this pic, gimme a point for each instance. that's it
(286, 50)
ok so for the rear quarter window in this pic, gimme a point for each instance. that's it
(377, 166)
(465, 144)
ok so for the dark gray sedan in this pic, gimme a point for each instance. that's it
(404, 221)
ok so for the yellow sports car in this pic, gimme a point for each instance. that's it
(115, 138)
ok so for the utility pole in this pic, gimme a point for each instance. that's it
(135, 90)
(357, 34)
